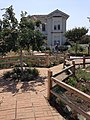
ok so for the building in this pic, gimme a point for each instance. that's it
(53, 27)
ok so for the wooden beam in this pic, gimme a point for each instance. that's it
(12, 62)
(49, 84)
(72, 105)
(71, 89)
(64, 70)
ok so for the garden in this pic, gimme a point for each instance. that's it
(22, 36)
(81, 81)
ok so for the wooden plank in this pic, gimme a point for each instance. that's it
(88, 112)
(4, 58)
(87, 57)
(67, 77)
(71, 89)
(49, 84)
(72, 105)
(64, 70)
(10, 62)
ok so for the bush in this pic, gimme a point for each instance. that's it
(35, 72)
(28, 74)
(72, 81)
(81, 50)
(48, 48)
(63, 48)
(82, 74)
(7, 75)
(84, 88)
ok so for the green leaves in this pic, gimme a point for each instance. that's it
(76, 34)
(14, 35)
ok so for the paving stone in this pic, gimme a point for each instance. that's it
(29, 103)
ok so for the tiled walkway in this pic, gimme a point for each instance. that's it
(27, 101)
(27, 106)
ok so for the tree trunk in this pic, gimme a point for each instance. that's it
(21, 60)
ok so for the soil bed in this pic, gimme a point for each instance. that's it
(84, 86)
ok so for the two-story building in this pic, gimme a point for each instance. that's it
(53, 27)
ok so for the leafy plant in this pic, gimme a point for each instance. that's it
(78, 100)
(82, 74)
(75, 35)
(28, 74)
(72, 81)
(7, 75)
(84, 88)
(35, 72)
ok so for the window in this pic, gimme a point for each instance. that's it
(43, 27)
(54, 27)
(58, 26)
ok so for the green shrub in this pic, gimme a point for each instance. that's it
(82, 74)
(17, 70)
(84, 88)
(81, 49)
(35, 72)
(63, 48)
(78, 100)
(14, 76)
(28, 74)
(72, 81)
(7, 75)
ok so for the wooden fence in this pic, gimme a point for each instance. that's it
(37, 60)
(71, 90)
(78, 61)
(41, 60)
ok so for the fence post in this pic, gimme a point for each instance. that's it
(68, 56)
(47, 60)
(64, 62)
(49, 84)
(73, 69)
(83, 61)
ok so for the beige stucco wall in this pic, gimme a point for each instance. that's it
(51, 33)
(54, 18)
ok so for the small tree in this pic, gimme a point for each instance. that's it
(15, 35)
(1, 40)
(75, 35)
(9, 31)
(37, 41)
(38, 22)
(85, 39)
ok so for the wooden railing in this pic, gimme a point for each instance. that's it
(70, 89)
(38, 60)
(42, 60)
(82, 61)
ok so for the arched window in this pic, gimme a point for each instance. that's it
(43, 27)
(58, 26)
(54, 27)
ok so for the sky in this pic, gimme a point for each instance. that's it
(78, 10)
